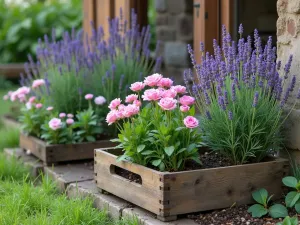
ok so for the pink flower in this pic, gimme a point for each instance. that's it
(137, 103)
(190, 122)
(55, 123)
(114, 103)
(38, 83)
(50, 108)
(9, 93)
(131, 98)
(137, 86)
(187, 100)
(62, 115)
(167, 103)
(23, 90)
(151, 95)
(112, 117)
(100, 100)
(169, 93)
(5, 97)
(121, 107)
(179, 89)
(21, 97)
(153, 80)
(69, 121)
(28, 105)
(165, 82)
(184, 108)
(39, 105)
(32, 99)
(131, 110)
(13, 96)
(70, 115)
(89, 96)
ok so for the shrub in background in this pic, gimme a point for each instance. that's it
(241, 97)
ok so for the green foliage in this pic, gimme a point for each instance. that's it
(59, 136)
(289, 221)
(22, 24)
(262, 207)
(249, 133)
(9, 138)
(4, 83)
(292, 199)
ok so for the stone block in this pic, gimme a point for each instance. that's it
(294, 6)
(185, 27)
(174, 73)
(165, 34)
(179, 6)
(281, 24)
(291, 27)
(162, 19)
(82, 189)
(282, 6)
(176, 54)
(160, 5)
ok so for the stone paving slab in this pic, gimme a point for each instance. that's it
(35, 165)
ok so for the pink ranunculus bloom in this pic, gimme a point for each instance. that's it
(114, 103)
(69, 115)
(23, 90)
(120, 113)
(69, 121)
(55, 123)
(184, 108)
(187, 100)
(153, 80)
(38, 83)
(137, 86)
(151, 95)
(179, 89)
(171, 93)
(191, 122)
(131, 110)
(89, 96)
(100, 100)
(112, 117)
(13, 96)
(62, 115)
(39, 105)
(131, 98)
(167, 103)
(165, 82)
(121, 107)
(50, 108)
(21, 97)
(137, 103)
(9, 93)
(32, 99)
(5, 97)
(28, 105)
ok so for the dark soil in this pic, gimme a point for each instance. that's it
(133, 177)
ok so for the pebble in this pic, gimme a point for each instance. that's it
(247, 223)
(243, 219)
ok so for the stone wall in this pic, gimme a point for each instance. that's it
(288, 36)
(174, 28)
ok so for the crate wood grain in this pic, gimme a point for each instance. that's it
(8, 121)
(50, 154)
(170, 194)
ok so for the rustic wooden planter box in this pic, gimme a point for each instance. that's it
(53, 154)
(170, 194)
(8, 121)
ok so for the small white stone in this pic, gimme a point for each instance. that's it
(28, 152)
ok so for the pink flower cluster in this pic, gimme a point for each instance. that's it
(161, 91)
(20, 94)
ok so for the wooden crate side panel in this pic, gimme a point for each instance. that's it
(222, 187)
(34, 145)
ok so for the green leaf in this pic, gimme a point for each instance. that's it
(141, 148)
(162, 166)
(121, 158)
(290, 181)
(260, 196)
(93, 123)
(278, 211)
(156, 162)
(90, 138)
(297, 207)
(169, 150)
(257, 210)
(81, 132)
(181, 150)
(180, 128)
(294, 221)
(115, 140)
(196, 159)
(291, 198)
(147, 152)
(191, 147)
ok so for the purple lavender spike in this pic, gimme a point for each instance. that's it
(208, 115)
(255, 99)
(230, 115)
(288, 67)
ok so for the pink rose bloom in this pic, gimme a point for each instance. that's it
(184, 108)
(190, 122)
(62, 115)
(13, 96)
(120, 114)
(121, 107)
(131, 98)
(169, 93)
(38, 83)
(89, 96)
(100, 100)
(50, 108)
(114, 103)
(131, 110)
(9, 93)
(151, 95)
(28, 105)
(112, 117)
(39, 105)
(179, 89)
(69, 121)
(70, 115)
(165, 82)
(21, 97)
(23, 90)
(32, 99)
(5, 97)
(55, 124)
(153, 80)
(137, 86)
(137, 103)
(167, 103)
(187, 100)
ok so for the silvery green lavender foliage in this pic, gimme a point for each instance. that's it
(101, 65)
(240, 95)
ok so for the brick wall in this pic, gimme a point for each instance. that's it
(174, 28)
(288, 36)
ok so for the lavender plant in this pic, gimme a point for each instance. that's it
(103, 65)
(240, 95)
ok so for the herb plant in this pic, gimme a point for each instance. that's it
(262, 207)
(292, 199)
(166, 141)
(289, 221)
(240, 96)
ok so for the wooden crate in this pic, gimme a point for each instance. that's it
(52, 154)
(170, 194)
(10, 122)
